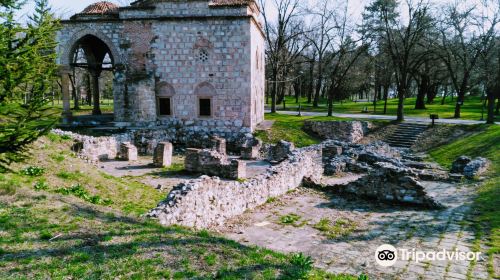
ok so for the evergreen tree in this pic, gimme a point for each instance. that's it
(28, 68)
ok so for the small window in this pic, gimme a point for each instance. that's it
(203, 55)
(164, 106)
(205, 107)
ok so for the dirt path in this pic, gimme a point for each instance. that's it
(365, 226)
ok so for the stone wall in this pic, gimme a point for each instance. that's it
(95, 149)
(349, 131)
(211, 162)
(209, 201)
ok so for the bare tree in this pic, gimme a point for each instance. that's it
(466, 35)
(403, 41)
(322, 15)
(283, 44)
(343, 53)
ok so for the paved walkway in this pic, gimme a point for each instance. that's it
(385, 117)
(376, 224)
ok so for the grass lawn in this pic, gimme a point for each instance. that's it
(290, 128)
(63, 219)
(106, 107)
(470, 110)
(485, 143)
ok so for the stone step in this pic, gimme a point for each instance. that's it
(403, 137)
(406, 134)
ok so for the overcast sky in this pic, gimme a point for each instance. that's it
(66, 8)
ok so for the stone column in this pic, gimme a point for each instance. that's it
(66, 96)
(95, 91)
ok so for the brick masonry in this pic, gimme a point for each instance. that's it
(191, 48)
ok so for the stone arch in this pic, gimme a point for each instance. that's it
(164, 89)
(70, 45)
(205, 89)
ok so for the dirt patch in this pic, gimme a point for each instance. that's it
(379, 132)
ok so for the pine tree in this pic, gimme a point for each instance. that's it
(27, 56)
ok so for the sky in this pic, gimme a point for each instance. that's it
(67, 8)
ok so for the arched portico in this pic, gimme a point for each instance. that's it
(93, 51)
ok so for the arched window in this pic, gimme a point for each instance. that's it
(205, 93)
(164, 95)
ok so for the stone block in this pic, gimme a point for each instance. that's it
(459, 164)
(218, 144)
(163, 154)
(213, 163)
(331, 151)
(128, 151)
(281, 151)
(250, 153)
(476, 167)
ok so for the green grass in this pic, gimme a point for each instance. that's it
(485, 143)
(335, 229)
(107, 106)
(290, 128)
(50, 235)
(470, 110)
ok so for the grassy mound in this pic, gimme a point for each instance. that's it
(61, 218)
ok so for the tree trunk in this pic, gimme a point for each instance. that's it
(386, 96)
(274, 91)
(498, 104)
(331, 93)
(401, 99)
(318, 90)
(458, 106)
(74, 95)
(311, 81)
(445, 93)
(491, 106)
(422, 90)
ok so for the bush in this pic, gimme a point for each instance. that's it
(81, 192)
(302, 265)
(33, 171)
(45, 235)
(40, 185)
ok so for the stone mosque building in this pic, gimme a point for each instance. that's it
(189, 62)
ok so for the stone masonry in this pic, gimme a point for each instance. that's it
(211, 162)
(128, 151)
(185, 51)
(163, 154)
(209, 201)
(349, 131)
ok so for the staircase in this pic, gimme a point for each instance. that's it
(406, 135)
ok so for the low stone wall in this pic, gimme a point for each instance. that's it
(391, 183)
(146, 140)
(209, 201)
(349, 131)
(95, 149)
(214, 163)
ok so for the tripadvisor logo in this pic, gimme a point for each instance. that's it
(387, 255)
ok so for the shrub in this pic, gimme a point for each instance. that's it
(41, 185)
(33, 171)
(289, 219)
(302, 265)
(81, 192)
(45, 235)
